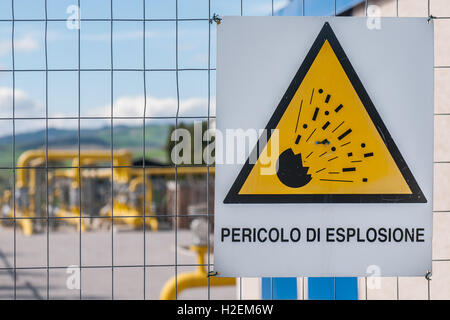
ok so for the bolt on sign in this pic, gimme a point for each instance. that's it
(340, 179)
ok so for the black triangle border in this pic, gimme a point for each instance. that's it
(417, 195)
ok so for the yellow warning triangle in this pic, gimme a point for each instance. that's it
(328, 141)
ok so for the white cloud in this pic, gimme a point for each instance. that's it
(23, 103)
(157, 107)
(28, 43)
(133, 106)
(126, 106)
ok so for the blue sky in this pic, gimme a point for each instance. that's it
(128, 53)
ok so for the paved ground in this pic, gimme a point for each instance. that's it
(127, 280)
(98, 280)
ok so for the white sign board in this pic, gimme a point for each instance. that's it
(340, 181)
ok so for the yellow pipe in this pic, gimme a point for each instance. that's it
(30, 210)
(151, 221)
(86, 173)
(6, 196)
(195, 279)
(32, 158)
(121, 158)
(180, 170)
(73, 217)
(130, 214)
(25, 224)
(123, 212)
(122, 173)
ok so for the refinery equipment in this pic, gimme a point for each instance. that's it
(79, 188)
(85, 189)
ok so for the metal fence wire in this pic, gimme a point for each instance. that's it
(148, 276)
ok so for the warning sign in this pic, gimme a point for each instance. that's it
(333, 144)
(336, 175)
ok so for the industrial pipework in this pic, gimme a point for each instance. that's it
(199, 277)
(127, 185)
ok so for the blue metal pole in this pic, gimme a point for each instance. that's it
(324, 288)
(279, 288)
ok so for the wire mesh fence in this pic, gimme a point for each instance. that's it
(150, 67)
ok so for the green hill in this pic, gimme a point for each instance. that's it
(123, 137)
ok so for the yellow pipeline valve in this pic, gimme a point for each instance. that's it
(195, 279)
